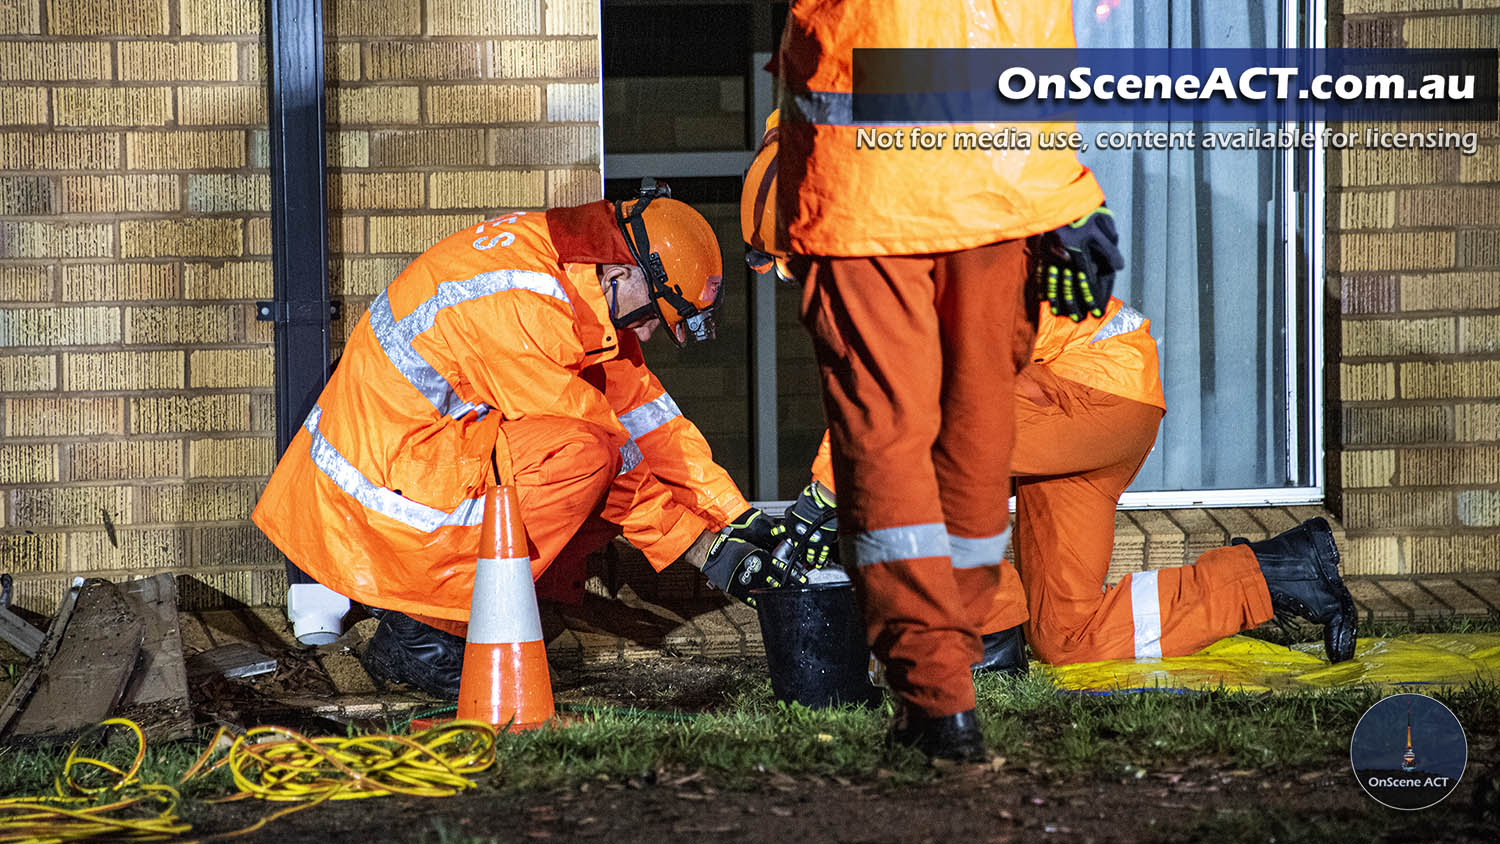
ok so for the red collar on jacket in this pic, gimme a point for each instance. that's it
(587, 234)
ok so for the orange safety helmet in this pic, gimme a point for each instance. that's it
(679, 254)
(765, 240)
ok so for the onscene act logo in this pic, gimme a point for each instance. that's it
(1408, 751)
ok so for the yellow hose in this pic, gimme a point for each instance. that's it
(271, 763)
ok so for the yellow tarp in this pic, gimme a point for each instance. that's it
(1242, 663)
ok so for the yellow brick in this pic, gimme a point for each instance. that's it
(71, 506)
(369, 191)
(190, 238)
(125, 460)
(1368, 468)
(1367, 381)
(70, 150)
(382, 104)
(1479, 334)
(208, 590)
(122, 371)
(363, 276)
(1453, 32)
(112, 106)
(59, 326)
(1459, 379)
(1476, 422)
(214, 501)
(1389, 337)
(1367, 210)
(235, 546)
(1466, 465)
(573, 187)
(527, 146)
(478, 17)
(29, 552)
(422, 148)
(348, 237)
(108, 17)
(484, 104)
(258, 237)
(572, 17)
(1482, 166)
(445, 61)
(188, 414)
(573, 102)
(374, 17)
(211, 193)
(1451, 291)
(44, 60)
(243, 105)
(178, 325)
(55, 240)
(229, 280)
(1370, 555)
(22, 106)
(20, 17)
(497, 189)
(114, 194)
(222, 17)
(133, 549)
(27, 373)
(414, 234)
(25, 282)
(1455, 206)
(349, 149)
(1396, 250)
(28, 464)
(1366, 7)
(165, 61)
(1468, 552)
(345, 64)
(64, 417)
(184, 150)
(231, 368)
(116, 281)
(242, 457)
(28, 196)
(1397, 166)
(525, 59)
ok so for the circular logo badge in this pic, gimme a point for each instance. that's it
(1408, 751)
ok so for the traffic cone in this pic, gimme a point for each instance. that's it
(505, 678)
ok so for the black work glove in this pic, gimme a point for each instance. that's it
(812, 526)
(1078, 262)
(755, 527)
(737, 567)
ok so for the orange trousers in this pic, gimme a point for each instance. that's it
(1076, 450)
(916, 358)
(574, 501)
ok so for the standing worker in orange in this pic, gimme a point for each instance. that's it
(526, 327)
(916, 261)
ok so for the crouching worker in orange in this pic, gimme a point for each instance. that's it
(526, 327)
(1087, 411)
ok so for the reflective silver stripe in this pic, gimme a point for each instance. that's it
(397, 336)
(513, 617)
(1125, 320)
(650, 416)
(974, 553)
(374, 497)
(630, 457)
(900, 543)
(1145, 611)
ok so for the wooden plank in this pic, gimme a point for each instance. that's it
(84, 679)
(21, 691)
(156, 696)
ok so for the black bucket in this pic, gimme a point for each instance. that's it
(815, 645)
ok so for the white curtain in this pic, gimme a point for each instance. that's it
(1202, 237)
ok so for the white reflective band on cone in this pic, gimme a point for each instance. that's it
(505, 591)
(1145, 610)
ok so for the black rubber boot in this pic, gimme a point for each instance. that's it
(953, 738)
(1004, 652)
(404, 650)
(1301, 567)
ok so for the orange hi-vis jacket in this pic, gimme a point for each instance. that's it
(380, 495)
(839, 200)
(1114, 354)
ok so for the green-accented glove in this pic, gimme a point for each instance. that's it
(755, 527)
(1076, 270)
(812, 525)
(737, 567)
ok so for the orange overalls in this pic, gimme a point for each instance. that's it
(499, 329)
(913, 292)
(1087, 412)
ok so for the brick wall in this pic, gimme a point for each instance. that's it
(1414, 341)
(135, 384)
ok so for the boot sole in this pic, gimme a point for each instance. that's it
(1339, 646)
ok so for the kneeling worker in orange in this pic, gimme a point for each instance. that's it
(524, 329)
